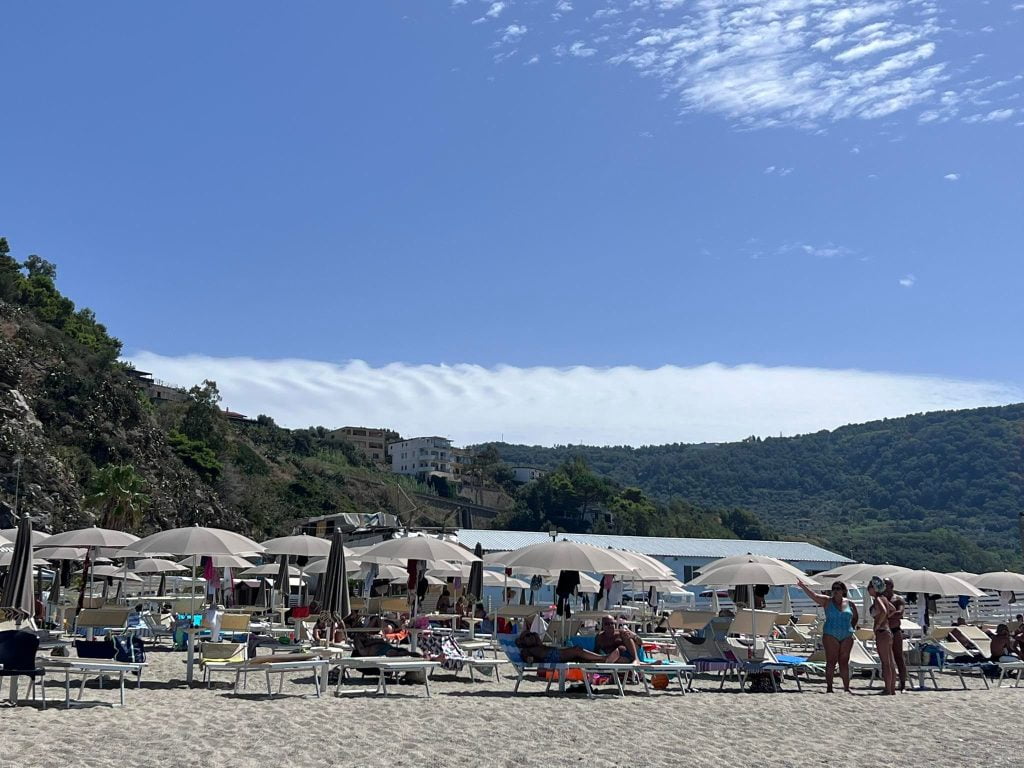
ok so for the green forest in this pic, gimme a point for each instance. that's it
(941, 490)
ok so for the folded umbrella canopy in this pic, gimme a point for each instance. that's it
(335, 602)
(18, 594)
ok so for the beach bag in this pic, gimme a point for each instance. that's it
(129, 649)
(95, 649)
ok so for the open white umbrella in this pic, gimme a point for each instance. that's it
(565, 556)
(965, 575)
(156, 565)
(320, 566)
(91, 537)
(426, 548)
(269, 569)
(588, 584)
(646, 568)
(62, 553)
(750, 574)
(219, 561)
(302, 545)
(115, 572)
(851, 573)
(392, 573)
(734, 559)
(1001, 581)
(9, 535)
(197, 540)
(933, 583)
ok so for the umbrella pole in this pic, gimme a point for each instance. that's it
(192, 597)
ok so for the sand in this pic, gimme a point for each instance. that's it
(483, 724)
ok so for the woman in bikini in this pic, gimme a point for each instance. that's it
(837, 636)
(882, 612)
(535, 652)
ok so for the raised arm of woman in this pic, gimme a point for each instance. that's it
(817, 597)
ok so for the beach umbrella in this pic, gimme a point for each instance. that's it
(445, 569)
(965, 575)
(115, 572)
(588, 584)
(389, 572)
(320, 566)
(302, 545)
(281, 582)
(149, 565)
(268, 569)
(218, 561)
(851, 573)
(18, 594)
(933, 583)
(62, 553)
(91, 537)
(197, 540)
(9, 535)
(157, 565)
(565, 556)
(7, 556)
(426, 548)
(646, 568)
(751, 573)
(335, 601)
(742, 559)
(475, 583)
(1001, 581)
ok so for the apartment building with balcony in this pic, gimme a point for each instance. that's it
(371, 442)
(421, 456)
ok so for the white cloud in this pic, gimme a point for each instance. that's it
(495, 10)
(533, 59)
(952, 177)
(513, 32)
(622, 405)
(907, 281)
(579, 48)
(800, 63)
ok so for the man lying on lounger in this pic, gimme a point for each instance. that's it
(535, 652)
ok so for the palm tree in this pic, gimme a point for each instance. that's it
(117, 491)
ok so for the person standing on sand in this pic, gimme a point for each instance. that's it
(895, 626)
(837, 636)
(881, 611)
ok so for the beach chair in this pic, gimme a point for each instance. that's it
(156, 629)
(108, 619)
(18, 659)
(862, 660)
(560, 671)
(221, 656)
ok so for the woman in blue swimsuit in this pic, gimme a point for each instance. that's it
(837, 636)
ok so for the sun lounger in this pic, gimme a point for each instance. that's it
(155, 629)
(385, 665)
(87, 667)
(107, 619)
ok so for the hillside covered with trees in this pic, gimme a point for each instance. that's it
(83, 443)
(941, 490)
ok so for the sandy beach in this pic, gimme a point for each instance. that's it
(482, 724)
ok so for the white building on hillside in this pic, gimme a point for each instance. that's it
(421, 456)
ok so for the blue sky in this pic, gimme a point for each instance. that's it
(829, 185)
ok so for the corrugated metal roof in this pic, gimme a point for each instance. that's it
(656, 546)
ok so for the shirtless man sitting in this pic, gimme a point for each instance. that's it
(612, 638)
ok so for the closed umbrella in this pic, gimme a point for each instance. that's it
(18, 593)
(334, 597)
(475, 584)
(281, 581)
